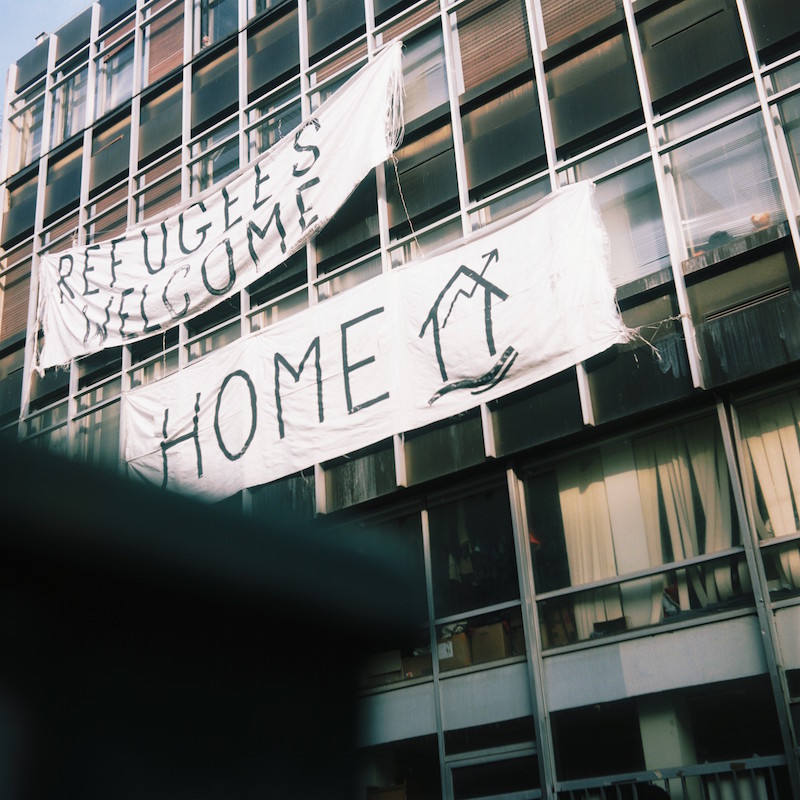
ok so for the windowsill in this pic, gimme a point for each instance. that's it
(647, 283)
(735, 248)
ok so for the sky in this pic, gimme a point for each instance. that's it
(21, 21)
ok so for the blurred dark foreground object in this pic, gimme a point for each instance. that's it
(154, 646)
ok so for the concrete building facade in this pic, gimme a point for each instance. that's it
(611, 557)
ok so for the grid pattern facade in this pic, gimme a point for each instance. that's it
(635, 517)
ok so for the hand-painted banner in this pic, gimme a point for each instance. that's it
(106, 294)
(400, 351)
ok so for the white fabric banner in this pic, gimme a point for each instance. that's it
(402, 350)
(106, 294)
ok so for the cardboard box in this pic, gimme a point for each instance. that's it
(454, 652)
(490, 643)
(381, 668)
(417, 666)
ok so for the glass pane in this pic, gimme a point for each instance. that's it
(771, 442)
(273, 53)
(114, 77)
(472, 553)
(710, 31)
(331, 25)
(424, 74)
(789, 110)
(97, 436)
(593, 96)
(565, 18)
(632, 215)
(69, 107)
(218, 19)
(215, 89)
(25, 138)
(726, 185)
(162, 43)
(360, 476)
(629, 506)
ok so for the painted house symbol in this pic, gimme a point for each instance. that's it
(463, 287)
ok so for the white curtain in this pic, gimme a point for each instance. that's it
(590, 548)
(680, 479)
(771, 434)
(681, 468)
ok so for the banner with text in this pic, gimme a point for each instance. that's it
(106, 294)
(402, 350)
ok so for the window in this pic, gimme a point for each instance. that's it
(625, 507)
(11, 371)
(162, 41)
(15, 280)
(501, 125)
(63, 183)
(113, 10)
(630, 208)
(424, 76)
(273, 52)
(472, 553)
(444, 447)
(217, 19)
(110, 153)
(353, 230)
(114, 73)
(789, 111)
(25, 139)
(215, 89)
(331, 25)
(21, 207)
(159, 123)
(294, 495)
(593, 95)
(158, 187)
(280, 293)
(276, 116)
(646, 372)
(360, 476)
(726, 185)
(220, 159)
(69, 106)
(775, 25)
(73, 35)
(32, 65)
(709, 30)
(770, 433)
(564, 19)
(108, 215)
(424, 187)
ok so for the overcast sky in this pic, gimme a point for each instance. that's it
(21, 21)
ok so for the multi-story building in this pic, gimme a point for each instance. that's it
(611, 555)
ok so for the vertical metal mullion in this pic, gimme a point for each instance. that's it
(766, 618)
(31, 338)
(455, 116)
(535, 33)
(530, 618)
(769, 125)
(541, 93)
(675, 244)
(437, 697)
